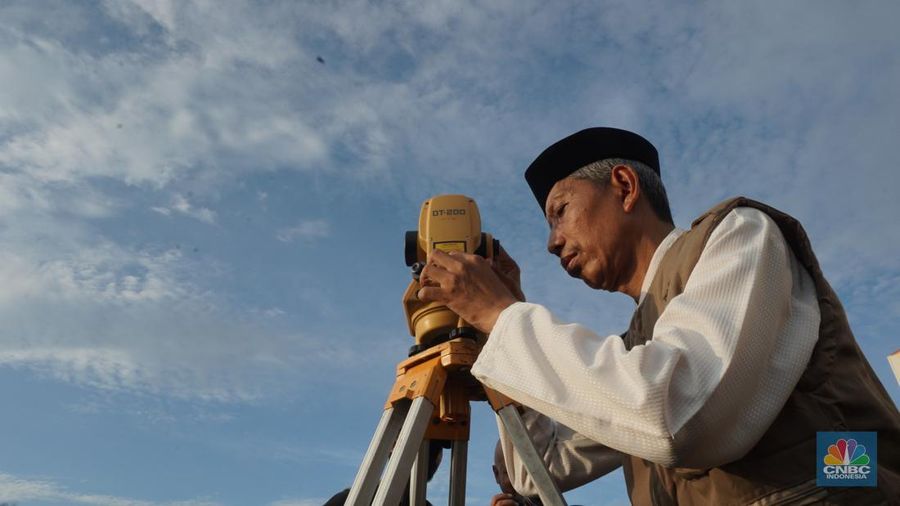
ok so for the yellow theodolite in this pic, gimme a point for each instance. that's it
(448, 223)
(431, 394)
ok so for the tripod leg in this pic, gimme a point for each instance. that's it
(395, 476)
(515, 427)
(419, 476)
(458, 473)
(370, 470)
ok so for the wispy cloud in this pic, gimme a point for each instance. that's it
(307, 230)
(115, 318)
(182, 205)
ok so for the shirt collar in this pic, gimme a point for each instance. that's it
(657, 258)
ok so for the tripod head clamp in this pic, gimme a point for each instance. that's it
(448, 223)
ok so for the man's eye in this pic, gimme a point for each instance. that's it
(561, 210)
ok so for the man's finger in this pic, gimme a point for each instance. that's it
(438, 256)
(434, 273)
(445, 260)
(430, 294)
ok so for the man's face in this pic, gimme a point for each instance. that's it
(587, 232)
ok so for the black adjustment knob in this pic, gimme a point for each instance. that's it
(417, 269)
(411, 248)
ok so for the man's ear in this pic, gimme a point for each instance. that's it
(625, 183)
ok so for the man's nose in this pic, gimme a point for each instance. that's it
(555, 242)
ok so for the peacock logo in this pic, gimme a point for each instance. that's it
(846, 452)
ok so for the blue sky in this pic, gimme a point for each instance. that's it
(201, 225)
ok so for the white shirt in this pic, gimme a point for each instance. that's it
(725, 355)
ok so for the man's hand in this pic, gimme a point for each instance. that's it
(504, 500)
(509, 273)
(468, 285)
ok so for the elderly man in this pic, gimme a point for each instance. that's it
(738, 351)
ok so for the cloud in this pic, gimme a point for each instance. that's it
(14, 488)
(165, 112)
(122, 319)
(181, 205)
(104, 273)
(182, 95)
(307, 230)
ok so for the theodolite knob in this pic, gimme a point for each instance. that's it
(417, 269)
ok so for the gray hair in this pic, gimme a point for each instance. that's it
(599, 172)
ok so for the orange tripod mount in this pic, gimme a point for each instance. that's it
(431, 395)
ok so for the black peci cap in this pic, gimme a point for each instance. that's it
(581, 148)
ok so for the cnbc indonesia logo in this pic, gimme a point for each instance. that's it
(847, 461)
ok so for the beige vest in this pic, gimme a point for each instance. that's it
(838, 391)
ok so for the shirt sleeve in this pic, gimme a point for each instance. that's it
(725, 355)
(571, 458)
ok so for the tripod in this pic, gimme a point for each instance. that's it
(430, 400)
